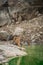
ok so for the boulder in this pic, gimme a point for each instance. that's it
(5, 36)
(12, 51)
(4, 17)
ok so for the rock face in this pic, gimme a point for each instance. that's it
(28, 25)
(32, 31)
(4, 17)
(2, 2)
(35, 30)
(18, 7)
(21, 8)
(37, 33)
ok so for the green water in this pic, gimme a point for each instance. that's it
(34, 57)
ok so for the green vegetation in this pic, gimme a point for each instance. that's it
(34, 57)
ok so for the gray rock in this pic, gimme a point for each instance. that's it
(12, 51)
(4, 17)
(1, 58)
(4, 35)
